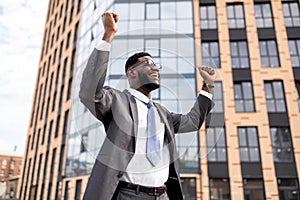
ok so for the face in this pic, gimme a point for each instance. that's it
(148, 74)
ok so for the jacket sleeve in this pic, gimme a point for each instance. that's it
(92, 93)
(193, 120)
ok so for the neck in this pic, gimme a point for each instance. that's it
(143, 90)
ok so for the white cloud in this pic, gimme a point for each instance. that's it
(21, 30)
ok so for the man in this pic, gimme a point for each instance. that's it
(138, 159)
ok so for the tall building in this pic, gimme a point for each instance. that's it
(249, 145)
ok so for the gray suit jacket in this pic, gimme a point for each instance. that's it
(117, 110)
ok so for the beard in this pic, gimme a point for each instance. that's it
(146, 84)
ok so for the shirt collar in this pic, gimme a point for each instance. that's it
(140, 96)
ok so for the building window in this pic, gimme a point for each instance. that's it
(263, 15)
(152, 46)
(12, 163)
(243, 96)
(275, 96)
(291, 15)
(78, 189)
(11, 172)
(208, 17)
(298, 92)
(281, 144)
(210, 54)
(4, 162)
(239, 54)
(235, 16)
(216, 144)
(84, 142)
(218, 98)
(189, 188)
(248, 143)
(2, 172)
(268, 53)
(294, 46)
(152, 11)
(254, 189)
(219, 189)
(288, 189)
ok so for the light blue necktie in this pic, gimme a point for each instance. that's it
(153, 143)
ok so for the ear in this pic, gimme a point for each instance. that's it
(131, 73)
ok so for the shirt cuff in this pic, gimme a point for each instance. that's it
(207, 94)
(103, 46)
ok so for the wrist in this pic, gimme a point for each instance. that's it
(108, 36)
(208, 87)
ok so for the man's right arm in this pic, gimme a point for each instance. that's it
(92, 94)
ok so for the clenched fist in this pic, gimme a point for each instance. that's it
(109, 20)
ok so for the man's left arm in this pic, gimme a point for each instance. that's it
(193, 120)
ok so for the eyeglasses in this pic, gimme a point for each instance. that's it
(148, 63)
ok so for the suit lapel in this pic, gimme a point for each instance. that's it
(133, 111)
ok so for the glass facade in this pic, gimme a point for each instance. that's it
(165, 30)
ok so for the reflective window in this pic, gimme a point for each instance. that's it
(218, 98)
(268, 53)
(189, 188)
(288, 189)
(208, 17)
(248, 143)
(239, 54)
(152, 46)
(2, 172)
(219, 189)
(291, 15)
(4, 162)
(243, 96)
(263, 15)
(253, 189)
(216, 144)
(84, 142)
(275, 96)
(294, 46)
(210, 54)
(282, 144)
(78, 189)
(235, 16)
(152, 11)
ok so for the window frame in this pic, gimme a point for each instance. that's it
(207, 17)
(248, 146)
(239, 57)
(209, 57)
(243, 99)
(268, 54)
(274, 98)
(290, 16)
(215, 147)
(263, 17)
(235, 18)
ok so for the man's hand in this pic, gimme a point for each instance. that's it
(208, 74)
(109, 20)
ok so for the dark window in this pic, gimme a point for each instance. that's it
(61, 10)
(263, 15)
(54, 56)
(243, 96)
(71, 15)
(78, 6)
(291, 15)
(219, 189)
(64, 24)
(57, 126)
(210, 54)
(32, 142)
(218, 98)
(239, 54)
(294, 46)
(69, 88)
(52, 40)
(208, 17)
(78, 189)
(84, 142)
(235, 16)
(66, 196)
(44, 134)
(268, 53)
(66, 117)
(55, 18)
(39, 167)
(253, 189)
(68, 40)
(58, 32)
(281, 144)
(60, 50)
(248, 143)
(288, 189)
(53, 161)
(216, 144)
(275, 96)
(152, 11)
(189, 188)
(298, 93)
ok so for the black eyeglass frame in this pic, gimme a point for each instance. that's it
(148, 62)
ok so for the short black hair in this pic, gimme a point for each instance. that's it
(134, 59)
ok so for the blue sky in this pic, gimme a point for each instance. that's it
(21, 29)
